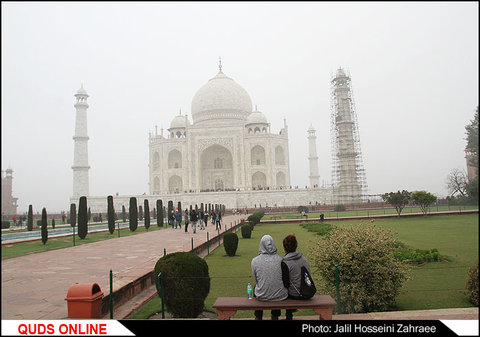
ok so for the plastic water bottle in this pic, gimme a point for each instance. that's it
(249, 291)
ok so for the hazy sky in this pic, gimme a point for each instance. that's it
(414, 69)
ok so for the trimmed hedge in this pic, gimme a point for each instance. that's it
(186, 283)
(246, 231)
(230, 243)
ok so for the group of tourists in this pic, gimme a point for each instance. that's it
(278, 278)
(175, 219)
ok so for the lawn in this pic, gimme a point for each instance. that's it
(434, 286)
(368, 212)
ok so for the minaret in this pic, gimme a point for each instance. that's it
(80, 156)
(348, 173)
(312, 157)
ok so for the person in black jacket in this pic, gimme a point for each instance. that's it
(193, 220)
(291, 270)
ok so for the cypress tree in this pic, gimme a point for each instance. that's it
(53, 223)
(44, 226)
(124, 214)
(82, 218)
(179, 207)
(140, 212)
(147, 214)
(159, 213)
(110, 214)
(170, 209)
(73, 215)
(30, 218)
(89, 215)
(133, 214)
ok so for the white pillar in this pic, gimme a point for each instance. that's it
(313, 158)
(80, 155)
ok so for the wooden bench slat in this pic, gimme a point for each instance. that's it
(228, 306)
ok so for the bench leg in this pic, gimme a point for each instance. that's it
(324, 313)
(225, 314)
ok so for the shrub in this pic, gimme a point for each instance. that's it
(5, 224)
(370, 275)
(186, 283)
(230, 242)
(472, 285)
(340, 208)
(301, 209)
(44, 226)
(146, 207)
(82, 218)
(255, 218)
(133, 214)
(246, 231)
(110, 214)
(73, 215)
(30, 218)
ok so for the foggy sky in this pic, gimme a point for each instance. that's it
(414, 70)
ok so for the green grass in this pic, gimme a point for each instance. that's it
(367, 212)
(434, 286)
(31, 247)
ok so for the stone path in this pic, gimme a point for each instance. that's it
(35, 286)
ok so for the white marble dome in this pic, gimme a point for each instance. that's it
(256, 117)
(179, 122)
(220, 99)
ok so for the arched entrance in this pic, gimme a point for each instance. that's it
(216, 168)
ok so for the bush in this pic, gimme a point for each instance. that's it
(415, 256)
(5, 224)
(246, 231)
(370, 275)
(340, 208)
(230, 242)
(82, 218)
(472, 285)
(301, 209)
(255, 218)
(186, 283)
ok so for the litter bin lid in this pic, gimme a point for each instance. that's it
(84, 291)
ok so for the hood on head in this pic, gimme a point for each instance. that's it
(267, 245)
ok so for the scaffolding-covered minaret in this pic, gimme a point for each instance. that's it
(348, 174)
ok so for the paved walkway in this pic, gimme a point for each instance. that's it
(35, 286)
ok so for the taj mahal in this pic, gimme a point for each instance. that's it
(226, 154)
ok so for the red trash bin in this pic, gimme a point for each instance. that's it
(84, 300)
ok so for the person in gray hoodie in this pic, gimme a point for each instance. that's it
(291, 266)
(267, 274)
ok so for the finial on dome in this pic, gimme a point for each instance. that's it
(219, 64)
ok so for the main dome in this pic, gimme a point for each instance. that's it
(221, 99)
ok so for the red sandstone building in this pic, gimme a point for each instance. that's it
(9, 203)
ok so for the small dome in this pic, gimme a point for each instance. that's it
(81, 91)
(256, 117)
(179, 122)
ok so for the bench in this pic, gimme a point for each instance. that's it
(227, 306)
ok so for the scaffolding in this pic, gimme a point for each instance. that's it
(348, 173)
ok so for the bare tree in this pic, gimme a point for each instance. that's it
(457, 182)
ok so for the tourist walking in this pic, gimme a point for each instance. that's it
(186, 217)
(217, 221)
(291, 265)
(205, 218)
(267, 275)
(171, 219)
(178, 218)
(200, 219)
(193, 220)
